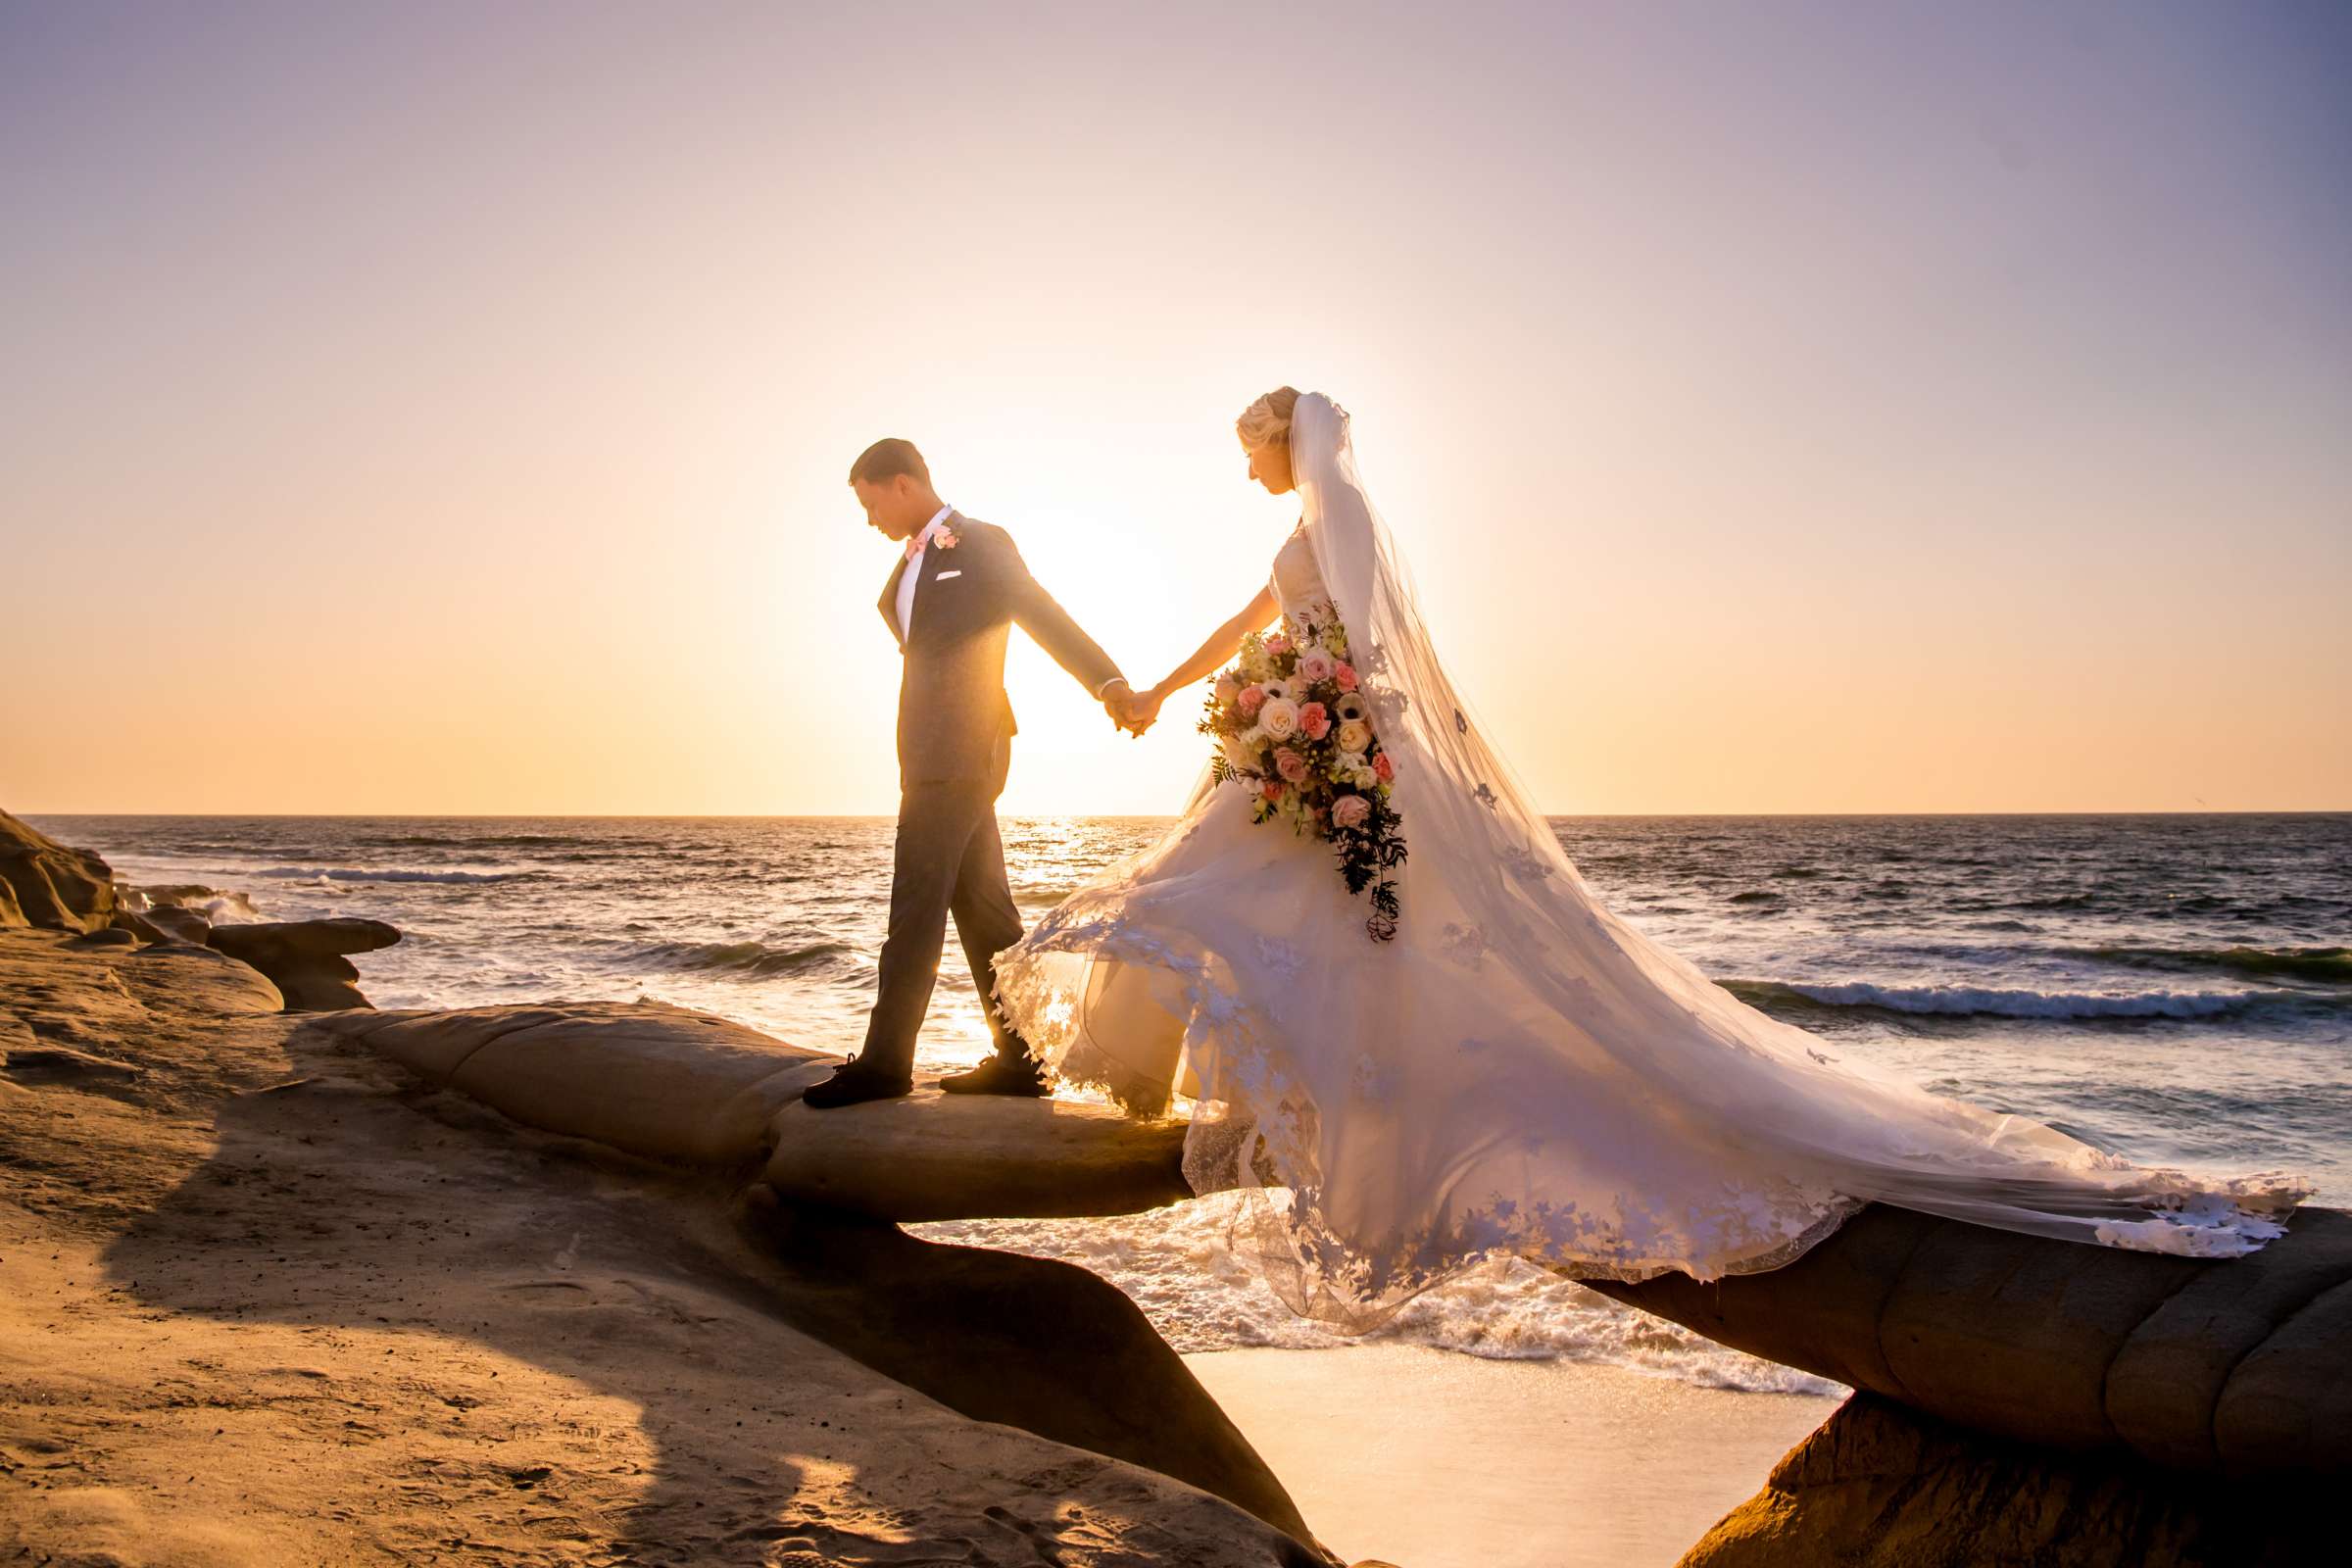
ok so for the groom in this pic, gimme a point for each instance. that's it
(952, 602)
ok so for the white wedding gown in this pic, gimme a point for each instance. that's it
(1519, 1070)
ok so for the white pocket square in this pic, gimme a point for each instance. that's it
(945, 575)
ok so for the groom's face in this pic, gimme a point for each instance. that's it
(892, 505)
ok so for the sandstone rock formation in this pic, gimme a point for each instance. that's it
(669, 1083)
(270, 1299)
(664, 1082)
(306, 958)
(2242, 1366)
(49, 885)
(1879, 1485)
(177, 924)
(1029, 1342)
(933, 1156)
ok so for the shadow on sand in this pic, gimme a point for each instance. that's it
(360, 1207)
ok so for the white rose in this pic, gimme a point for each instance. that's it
(1363, 778)
(1354, 735)
(1279, 718)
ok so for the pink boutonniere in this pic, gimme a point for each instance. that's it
(945, 539)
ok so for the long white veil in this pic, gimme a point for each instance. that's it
(1519, 1070)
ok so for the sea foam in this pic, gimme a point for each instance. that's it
(345, 873)
(1962, 1000)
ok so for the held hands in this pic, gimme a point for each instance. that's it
(1131, 710)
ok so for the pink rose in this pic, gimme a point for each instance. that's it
(1252, 698)
(1271, 790)
(1344, 673)
(1289, 764)
(944, 539)
(1314, 665)
(1227, 690)
(1314, 721)
(1278, 645)
(1383, 769)
(1349, 810)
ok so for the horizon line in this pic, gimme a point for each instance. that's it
(1170, 816)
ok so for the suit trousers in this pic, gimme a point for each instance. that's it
(948, 860)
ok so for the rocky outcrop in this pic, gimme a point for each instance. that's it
(1024, 1342)
(1879, 1485)
(669, 1083)
(664, 1082)
(932, 1157)
(1029, 1342)
(306, 958)
(176, 924)
(50, 885)
(2242, 1366)
(270, 1299)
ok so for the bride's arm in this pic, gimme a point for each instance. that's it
(1207, 660)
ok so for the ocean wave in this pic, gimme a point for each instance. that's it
(749, 961)
(220, 906)
(521, 841)
(2328, 966)
(1976, 1000)
(345, 873)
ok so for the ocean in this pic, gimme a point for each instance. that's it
(2175, 988)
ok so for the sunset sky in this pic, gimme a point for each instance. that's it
(1785, 408)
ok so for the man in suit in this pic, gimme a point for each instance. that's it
(958, 591)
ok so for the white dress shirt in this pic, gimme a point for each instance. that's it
(913, 574)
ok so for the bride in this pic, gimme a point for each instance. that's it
(1517, 1070)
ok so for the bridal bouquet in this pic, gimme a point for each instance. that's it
(1295, 733)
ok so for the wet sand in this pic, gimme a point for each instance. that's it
(1432, 1459)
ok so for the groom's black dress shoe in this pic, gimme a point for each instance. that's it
(1000, 1075)
(852, 1083)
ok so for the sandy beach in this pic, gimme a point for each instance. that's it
(1432, 1459)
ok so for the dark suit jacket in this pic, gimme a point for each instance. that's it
(953, 711)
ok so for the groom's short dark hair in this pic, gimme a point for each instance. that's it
(886, 458)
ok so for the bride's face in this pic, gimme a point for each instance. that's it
(1271, 467)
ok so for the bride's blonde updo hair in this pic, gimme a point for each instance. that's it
(1267, 421)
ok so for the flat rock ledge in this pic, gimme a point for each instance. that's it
(306, 959)
(934, 1155)
(644, 1077)
(669, 1083)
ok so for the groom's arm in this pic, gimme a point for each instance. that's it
(1035, 612)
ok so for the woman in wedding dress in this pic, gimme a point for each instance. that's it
(1517, 1070)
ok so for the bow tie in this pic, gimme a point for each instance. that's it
(914, 544)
